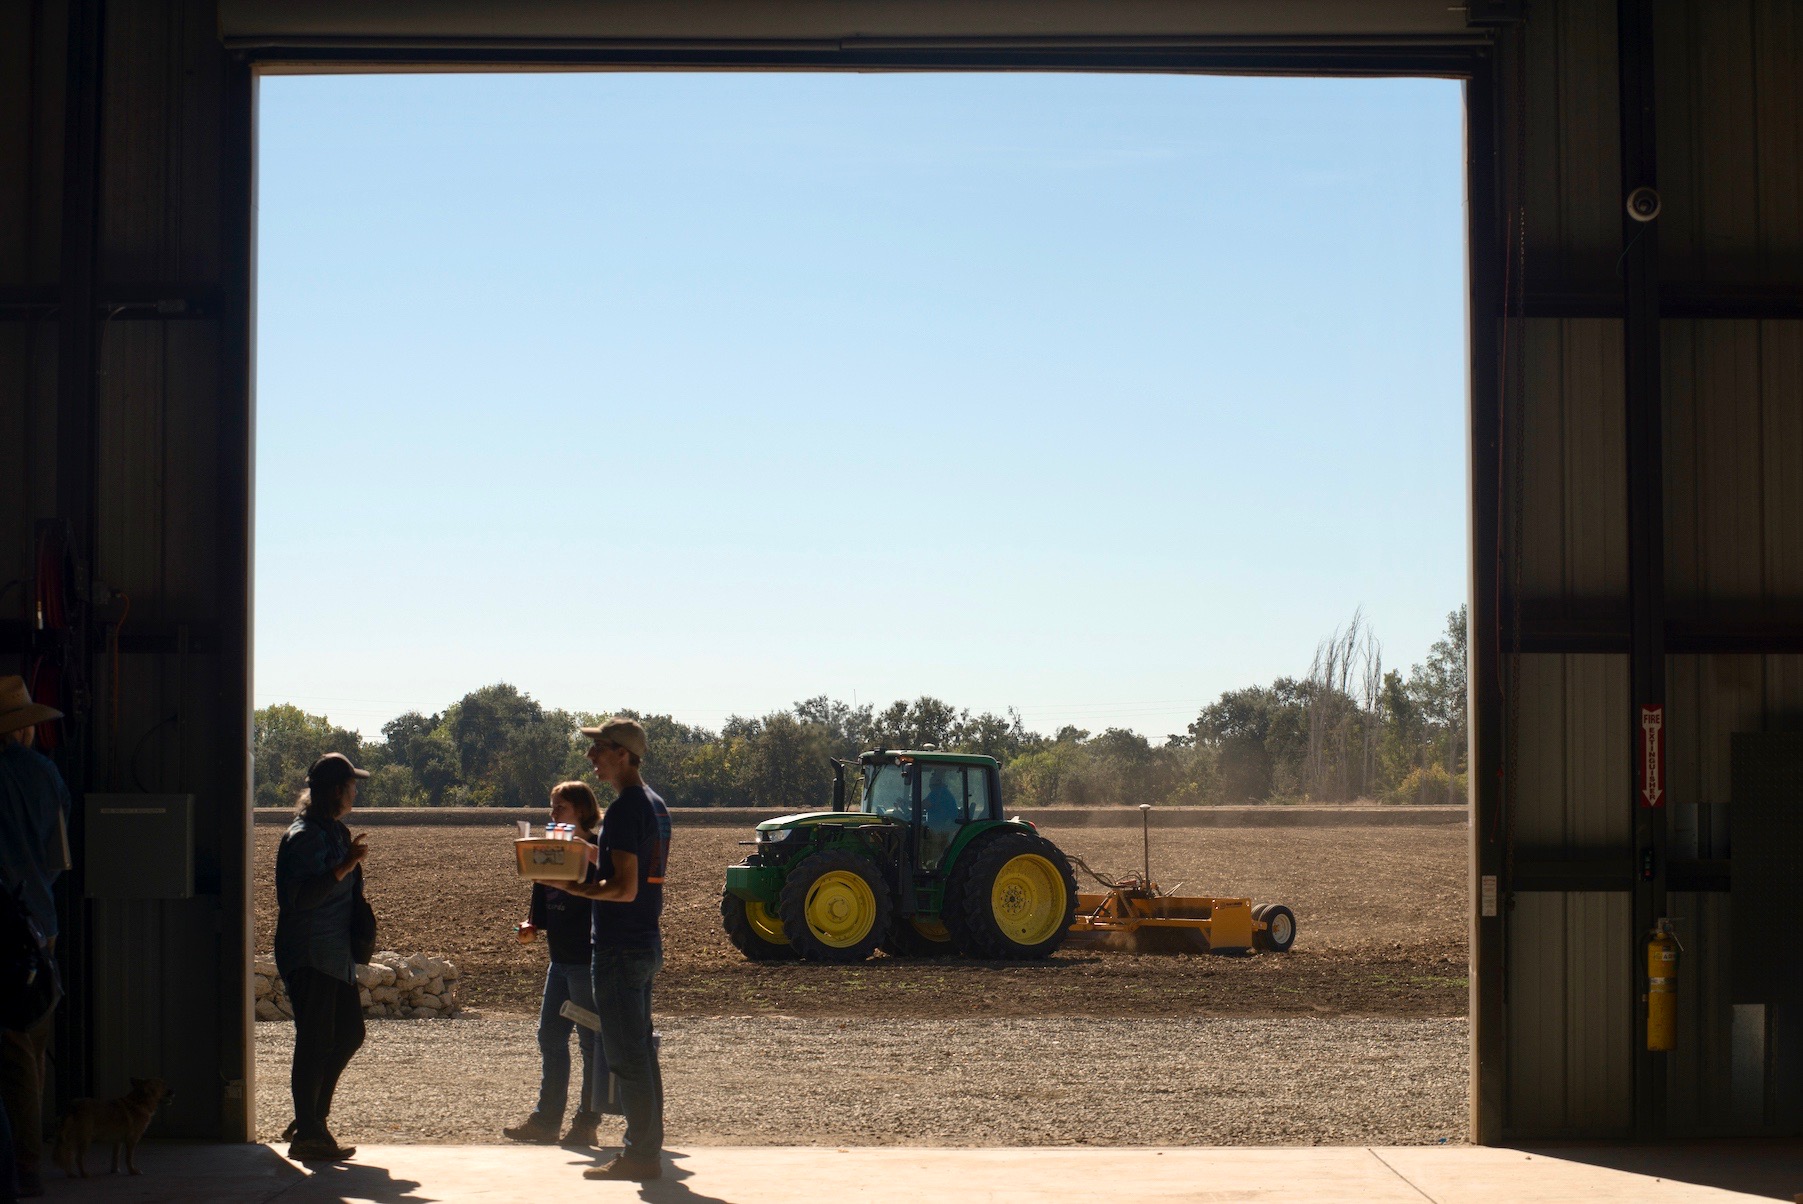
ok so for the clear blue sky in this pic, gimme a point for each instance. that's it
(1092, 396)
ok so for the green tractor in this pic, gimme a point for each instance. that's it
(926, 866)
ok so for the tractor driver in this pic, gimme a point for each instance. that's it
(939, 818)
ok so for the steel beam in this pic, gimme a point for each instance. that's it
(1676, 300)
(76, 503)
(1486, 251)
(1646, 499)
(236, 501)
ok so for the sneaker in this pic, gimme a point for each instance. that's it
(582, 1129)
(536, 1131)
(622, 1167)
(319, 1149)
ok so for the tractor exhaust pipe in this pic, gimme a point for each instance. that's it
(1145, 829)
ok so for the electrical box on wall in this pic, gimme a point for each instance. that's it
(139, 846)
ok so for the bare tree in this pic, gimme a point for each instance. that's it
(1342, 732)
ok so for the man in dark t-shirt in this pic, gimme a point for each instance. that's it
(628, 947)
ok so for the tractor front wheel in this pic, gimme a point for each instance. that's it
(1012, 897)
(755, 930)
(835, 907)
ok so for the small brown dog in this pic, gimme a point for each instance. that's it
(118, 1122)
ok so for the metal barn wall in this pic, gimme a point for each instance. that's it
(1708, 623)
(122, 299)
(1635, 403)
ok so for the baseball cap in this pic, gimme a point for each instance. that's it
(627, 733)
(332, 769)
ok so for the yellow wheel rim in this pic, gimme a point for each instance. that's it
(841, 909)
(1028, 899)
(766, 923)
(932, 930)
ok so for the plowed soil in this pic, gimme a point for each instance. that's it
(1380, 918)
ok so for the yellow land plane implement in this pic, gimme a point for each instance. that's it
(1135, 916)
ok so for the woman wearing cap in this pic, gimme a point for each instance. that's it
(317, 877)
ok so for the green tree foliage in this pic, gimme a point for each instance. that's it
(287, 741)
(1347, 730)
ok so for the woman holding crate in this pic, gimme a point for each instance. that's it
(564, 919)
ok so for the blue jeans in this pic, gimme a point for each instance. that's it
(623, 1001)
(563, 981)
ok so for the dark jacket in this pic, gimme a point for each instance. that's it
(313, 905)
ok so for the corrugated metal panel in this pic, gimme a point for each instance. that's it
(1777, 68)
(132, 480)
(1574, 150)
(190, 454)
(160, 217)
(1708, 698)
(1574, 509)
(1699, 1071)
(31, 73)
(1570, 1014)
(16, 51)
(1781, 451)
(27, 446)
(1730, 112)
(1576, 753)
(1734, 438)
(157, 1011)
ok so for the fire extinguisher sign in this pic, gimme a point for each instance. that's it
(1652, 756)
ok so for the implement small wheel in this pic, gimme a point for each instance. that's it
(754, 929)
(1279, 932)
(1012, 897)
(835, 907)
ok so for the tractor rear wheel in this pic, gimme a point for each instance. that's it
(1012, 897)
(754, 929)
(1279, 932)
(918, 938)
(835, 907)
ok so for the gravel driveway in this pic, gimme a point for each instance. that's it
(975, 1082)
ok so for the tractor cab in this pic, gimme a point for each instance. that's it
(941, 792)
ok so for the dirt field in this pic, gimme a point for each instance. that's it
(741, 1080)
(1379, 916)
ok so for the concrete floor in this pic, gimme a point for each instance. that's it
(177, 1173)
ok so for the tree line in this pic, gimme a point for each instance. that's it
(1348, 729)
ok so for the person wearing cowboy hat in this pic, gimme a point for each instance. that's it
(34, 850)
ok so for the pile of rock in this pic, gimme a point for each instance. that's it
(394, 986)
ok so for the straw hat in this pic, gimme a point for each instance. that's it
(17, 710)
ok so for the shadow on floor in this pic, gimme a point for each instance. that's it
(181, 1172)
(1768, 1167)
(185, 1172)
(339, 1181)
(671, 1189)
